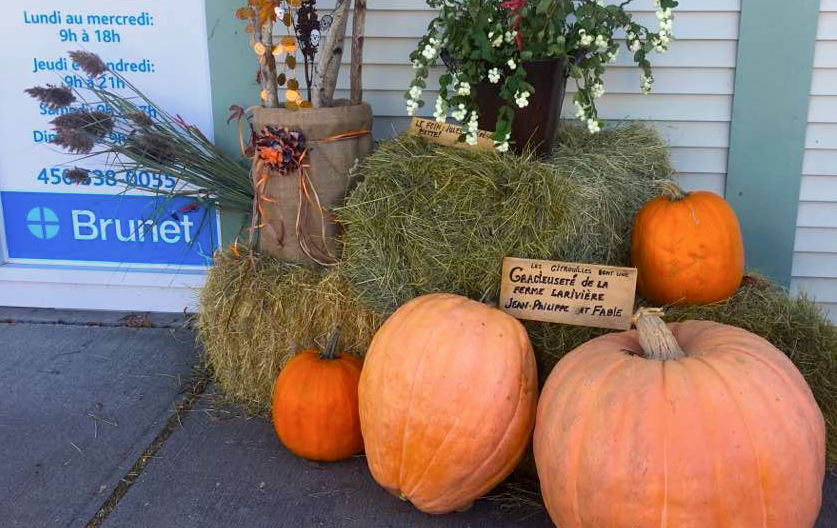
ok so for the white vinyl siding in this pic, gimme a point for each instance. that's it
(691, 103)
(815, 250)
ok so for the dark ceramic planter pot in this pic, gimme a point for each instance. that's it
(536, 125)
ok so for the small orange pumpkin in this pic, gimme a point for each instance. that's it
(687, 248)
(447, 401)
(315, 411)
(693, 424)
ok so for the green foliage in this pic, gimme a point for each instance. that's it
(477, 36)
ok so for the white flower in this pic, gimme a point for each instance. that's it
(593, 126)
(601, 41)
(580, 111)
(645, 83)
(512, 64)
(429, 52)
(503, 146)
(412, 106)
(496, 43)
(600, 2)
(494, 75)
(490, 35)
(522, 99)
(597, 90)
(612, 56)
(459, 113)
(631, 35)
(415, 92)
(473, 122)
(659, 46)
(441, 113)
(585, 39)
(635, 46)
(665, 17)
(464, 89)
(509, 36)
(473, 129)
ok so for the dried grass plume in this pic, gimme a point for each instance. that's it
(54, 97)
(89, 62)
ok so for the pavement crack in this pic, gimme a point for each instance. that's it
(192, 393)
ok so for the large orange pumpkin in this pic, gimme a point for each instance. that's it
(315, 411)
(687, 248)
(448, 395)
(694, 425)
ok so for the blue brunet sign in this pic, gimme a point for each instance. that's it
(114, 241)
(108, 228)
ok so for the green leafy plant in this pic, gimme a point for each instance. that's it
(491, 40)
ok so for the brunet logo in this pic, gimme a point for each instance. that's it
(87, 227)
(43, 223)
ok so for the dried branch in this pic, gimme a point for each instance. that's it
(356, 74)
(331, 54)
(269, 66)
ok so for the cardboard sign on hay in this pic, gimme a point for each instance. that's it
(568, 292)
(330, 163)
(448, 134)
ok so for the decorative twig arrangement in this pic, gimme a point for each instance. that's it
(312, 36)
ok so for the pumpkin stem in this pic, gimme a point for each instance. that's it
(330, 351)
(672, 191)
(656, 340)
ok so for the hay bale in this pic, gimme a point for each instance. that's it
(428, 218)
(257, 313)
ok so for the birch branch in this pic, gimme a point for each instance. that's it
(270, 66)
(331, 54)
(356, 76)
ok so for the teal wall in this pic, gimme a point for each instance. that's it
(769, 120)
(232, 68)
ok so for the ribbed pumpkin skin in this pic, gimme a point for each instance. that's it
(727, 437)
(688, 251)
(315, 411)
(448, 396)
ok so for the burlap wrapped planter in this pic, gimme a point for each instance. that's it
(337, 136)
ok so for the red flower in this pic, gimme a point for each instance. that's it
(513, 5)
(516, 5)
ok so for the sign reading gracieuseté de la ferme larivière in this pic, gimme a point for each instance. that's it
(568, 292)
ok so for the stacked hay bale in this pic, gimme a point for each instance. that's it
(426, 218)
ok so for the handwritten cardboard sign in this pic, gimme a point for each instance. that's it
(448, 134)
(568, 292)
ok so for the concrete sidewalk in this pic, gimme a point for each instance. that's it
(105, 421)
